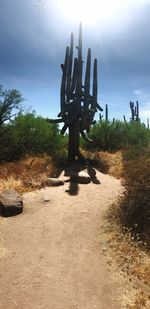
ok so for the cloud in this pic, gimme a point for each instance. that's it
(34, 35)
(142, 95)
(145, 113)
(137, 92)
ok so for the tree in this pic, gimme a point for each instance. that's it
(33, 134)
(9, 100)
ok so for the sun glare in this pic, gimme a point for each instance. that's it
(89, 12)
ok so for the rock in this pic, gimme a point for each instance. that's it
(46, 199)
(11, 203)
(54, 182)
(82, 177)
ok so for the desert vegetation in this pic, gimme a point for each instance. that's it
(120, 148)
(118, 135)
(126, 152)
(129, 144)
(32, 148)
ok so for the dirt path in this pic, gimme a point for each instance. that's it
(53, 257)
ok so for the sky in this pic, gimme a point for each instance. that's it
(34, 35)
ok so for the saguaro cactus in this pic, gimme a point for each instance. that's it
(78, 106)
(106, 112)
(148, 123)
(137, 111)
(124, 118)
(134, 111)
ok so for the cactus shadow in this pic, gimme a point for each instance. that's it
(92, 173)
(72, 172)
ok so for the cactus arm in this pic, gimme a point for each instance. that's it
(87, 80)
(74, 76)
(86, 138)
(137, 111)
(54, 120)
(94, 97)
(124, 118)
(132, 109)
(69, 69)
(63, 130)
(106, 112)
(79, 73)
(99, 107)
(63, 82)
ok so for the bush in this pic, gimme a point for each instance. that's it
(29, 134)
(136, 134)
(116, 135)
(135, 203)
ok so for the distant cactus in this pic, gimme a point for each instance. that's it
(137, 111)
(124, 118)
(106, 112)
(134, 111)
(148, 123)
(100, 116)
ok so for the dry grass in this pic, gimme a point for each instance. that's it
(26, 174)
(108, 163)
(135, 205)
(129, 254)
(130, 257)
(114, 162)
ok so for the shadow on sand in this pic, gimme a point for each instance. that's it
(72, 170)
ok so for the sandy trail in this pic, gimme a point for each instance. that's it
(53, 257)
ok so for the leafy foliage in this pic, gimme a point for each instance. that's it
(9, 100)
(29, 134)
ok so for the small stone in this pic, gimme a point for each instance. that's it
(54, 182)
(46, 200)
(11, 203)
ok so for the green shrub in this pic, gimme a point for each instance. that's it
(116, 135)
(136, 134)
(29, 134)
